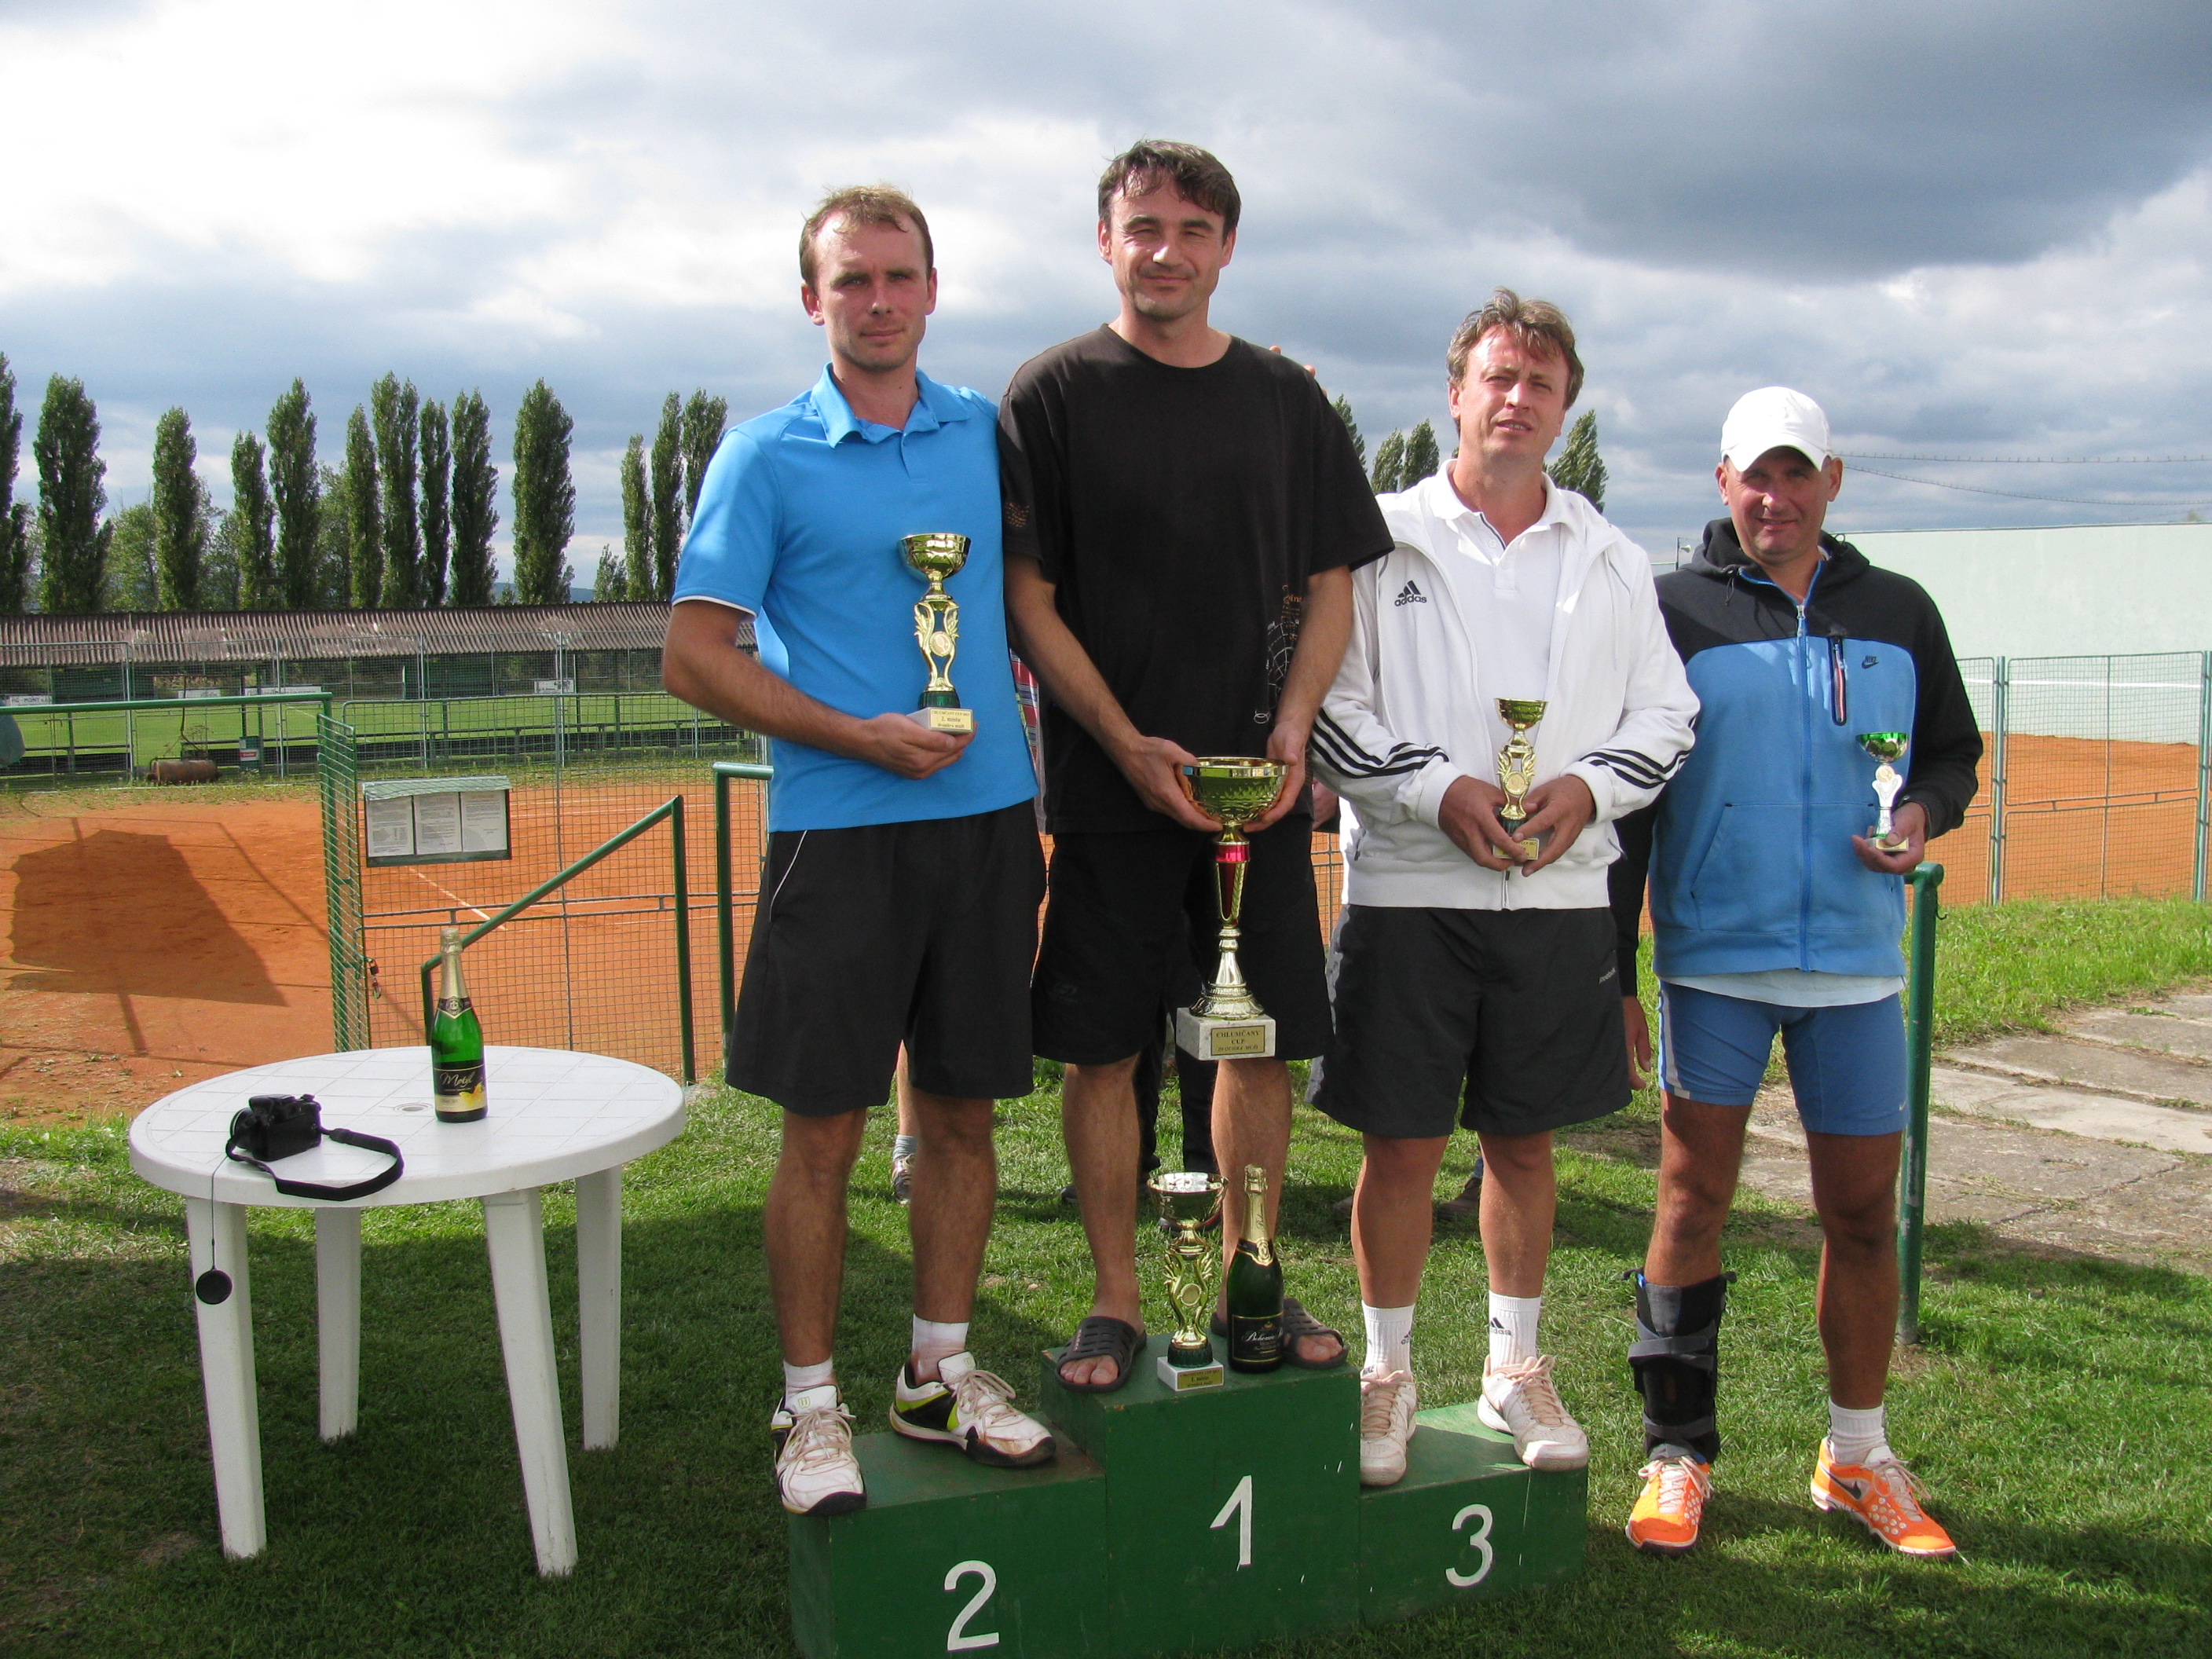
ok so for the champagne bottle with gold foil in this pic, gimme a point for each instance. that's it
(457, 1066)
(1255, 1285)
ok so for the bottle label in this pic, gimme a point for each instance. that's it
(455, 1005)
(1256, 1341)
(458, 1089)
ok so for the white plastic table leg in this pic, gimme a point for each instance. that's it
(598, 1296)
(514, 1235)
(217, 1232)
(337, 1318)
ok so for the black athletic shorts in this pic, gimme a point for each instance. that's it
(864, 939)
(1508, 1020)
(1130, 921)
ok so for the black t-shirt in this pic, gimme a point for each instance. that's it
(1179, 513)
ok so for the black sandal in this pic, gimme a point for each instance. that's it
(1297, 1323)
(1102, 1337)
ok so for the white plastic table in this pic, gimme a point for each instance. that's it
(554, 1115)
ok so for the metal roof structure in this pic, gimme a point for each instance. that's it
(63, 642)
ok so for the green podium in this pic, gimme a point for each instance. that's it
(1173, 1524)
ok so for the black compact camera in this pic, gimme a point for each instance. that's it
(276, 1125)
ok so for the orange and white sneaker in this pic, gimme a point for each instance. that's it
(1667, 1510)
(1888, 1497)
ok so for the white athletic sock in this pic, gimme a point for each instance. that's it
(798, 1377)
(934, 1341)
(1513, 1328)
(1857, 1437)
(1389, 1339)
(903, 1145)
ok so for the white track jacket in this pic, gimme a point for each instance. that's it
(1403, 719)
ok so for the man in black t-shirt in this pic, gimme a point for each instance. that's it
(1182, 511)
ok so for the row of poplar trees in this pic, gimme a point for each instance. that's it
(1404, 458)
(660, 492)
(406, 522)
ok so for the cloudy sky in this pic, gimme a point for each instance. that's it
(1970, 228)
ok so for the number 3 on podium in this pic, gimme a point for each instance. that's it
(958, 1639)
(1479, 1539)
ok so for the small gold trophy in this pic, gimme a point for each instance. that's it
(1516, 765)
(1226, 1022)
(933, 556)
(1189, 1200)
(1886, 746)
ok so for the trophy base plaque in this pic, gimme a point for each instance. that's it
(1177, 1379)
(1886, 843)
(1203, 1036)
(958, 721)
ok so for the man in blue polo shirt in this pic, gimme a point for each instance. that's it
(898, 900)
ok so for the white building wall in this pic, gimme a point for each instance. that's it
(2079, 590)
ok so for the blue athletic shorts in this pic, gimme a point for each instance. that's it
(1846, 1064)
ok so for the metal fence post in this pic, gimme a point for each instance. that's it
(682, 942)
(2204, 777)
(1919, 1041)
(726, 945)
(2000, 716)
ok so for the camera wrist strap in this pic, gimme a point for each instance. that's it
(375, 1183)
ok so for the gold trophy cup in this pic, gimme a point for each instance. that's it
(1886, 746)
(934, 555)
(1188, 1200)
(1516, 765)
(1227, 1023)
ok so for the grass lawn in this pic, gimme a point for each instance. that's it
(2058, 1407)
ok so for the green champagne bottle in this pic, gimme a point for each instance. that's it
(457, 1067)
(1255, 1286)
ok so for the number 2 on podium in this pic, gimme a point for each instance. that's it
(1240, 1505)
(957, 1639)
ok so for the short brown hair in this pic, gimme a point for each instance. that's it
(865, 204)
(1197, 176)
(1535, 325)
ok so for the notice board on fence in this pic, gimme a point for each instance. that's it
(434, 820)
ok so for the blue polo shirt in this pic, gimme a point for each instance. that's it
(799, 523)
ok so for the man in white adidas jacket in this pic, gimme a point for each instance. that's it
(1473, 983)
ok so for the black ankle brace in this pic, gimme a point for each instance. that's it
(1675, 1360)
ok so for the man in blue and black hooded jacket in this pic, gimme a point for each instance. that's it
(1775, 910)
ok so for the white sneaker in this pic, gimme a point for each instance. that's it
(969, 1408)
(816, 1472)
(1386, 1424)
(1521, 1400)
(903, 1176)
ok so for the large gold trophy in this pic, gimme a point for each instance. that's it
(1886, 746)
(933, 556)
(1227, 1023)
(1517, 766)
(1189, 1201)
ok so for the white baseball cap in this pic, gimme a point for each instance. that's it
(1774, 417)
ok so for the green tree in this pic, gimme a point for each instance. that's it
(130, 580)
(180, 513)
(1343, 408)
(642, 506)
(437, 509)
(331, 569)
(1421, 459)
(398, 416)
(476, 501)
(221, 569)
(364, 519)
(704, 418)
(251, 527)
(544, 499)
(610, 585)
(1389, 464)
(72, 541)
(1578, 467)
(15, 515)
(669, 507)
(295, 483)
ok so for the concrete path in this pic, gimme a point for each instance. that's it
(2094, 1140)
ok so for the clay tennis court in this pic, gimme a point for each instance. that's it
(157, 938)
